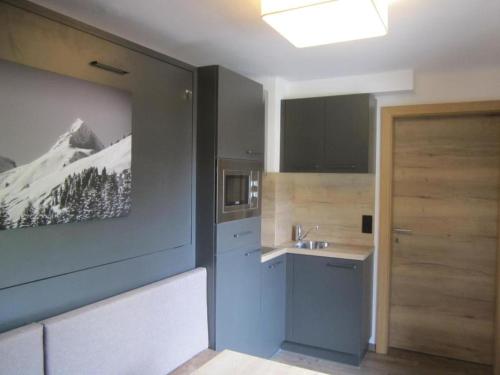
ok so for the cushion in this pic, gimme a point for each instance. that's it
(150, 330)
(21, 351)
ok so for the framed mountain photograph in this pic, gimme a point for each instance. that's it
(65, 149)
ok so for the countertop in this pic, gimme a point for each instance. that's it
(335, 250)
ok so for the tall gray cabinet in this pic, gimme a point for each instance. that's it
(230, 126)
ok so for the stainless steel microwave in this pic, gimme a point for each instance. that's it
(239, 186)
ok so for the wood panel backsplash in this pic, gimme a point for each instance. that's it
(335, 202)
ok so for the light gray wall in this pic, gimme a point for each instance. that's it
(49, 270)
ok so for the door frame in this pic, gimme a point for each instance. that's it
(388, 117)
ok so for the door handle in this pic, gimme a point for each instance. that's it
(238, 235)
(402, 231)
(252, 252)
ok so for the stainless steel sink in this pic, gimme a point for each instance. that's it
(311, 245)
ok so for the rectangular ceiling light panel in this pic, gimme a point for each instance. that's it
(307, 23)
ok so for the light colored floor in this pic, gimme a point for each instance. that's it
(397, 362)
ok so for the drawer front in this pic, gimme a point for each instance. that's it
(238, 234)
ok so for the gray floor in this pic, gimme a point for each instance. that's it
(397, 362)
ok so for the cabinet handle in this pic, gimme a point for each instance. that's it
(344, 166)
(238, 235)
(343, 266)
(252, 152)
(252, 252)
(109, 68)
(274, 265)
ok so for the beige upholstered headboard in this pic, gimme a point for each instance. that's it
(21, 351)
(150, 330)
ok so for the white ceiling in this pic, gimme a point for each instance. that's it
(423, 35)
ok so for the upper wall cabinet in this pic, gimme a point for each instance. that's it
(237, 106)
(329, 134)
(241, 117)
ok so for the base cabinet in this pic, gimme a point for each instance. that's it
(328, 307)
(308, 304)
(238, 299)
(273, 305)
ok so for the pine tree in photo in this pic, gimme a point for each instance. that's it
(89, 210)
(64, 193)
(100, 202)
(28, 217)
(52, 215)
(125, 192)
(41, 215)
(75, 207)
(86, 195)
(111, 196)
(63, 217)
(5, 222)
(55, 195)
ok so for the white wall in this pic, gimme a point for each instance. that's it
(391, 89)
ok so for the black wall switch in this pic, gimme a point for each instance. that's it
(367, 224)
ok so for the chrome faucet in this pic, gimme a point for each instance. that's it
(299, 235)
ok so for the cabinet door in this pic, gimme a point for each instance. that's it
(238, 301)
(347, 134)
(241, 117)
(273, 305)
(325, 303)
(302, 131)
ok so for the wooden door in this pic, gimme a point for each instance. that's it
(445, 193)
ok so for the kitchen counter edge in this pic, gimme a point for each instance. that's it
(341, 251)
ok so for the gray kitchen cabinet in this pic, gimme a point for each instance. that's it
(230, 125)
(238, 302)
(303, 122)
(348, 133)
(237, 234)
(328, 307)
(273, 305)
(328, 134)
(234, 106)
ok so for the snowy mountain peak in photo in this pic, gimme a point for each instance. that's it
(6, 164)
(79, 136)
(75, 152)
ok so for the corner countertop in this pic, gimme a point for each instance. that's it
(335, 250)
